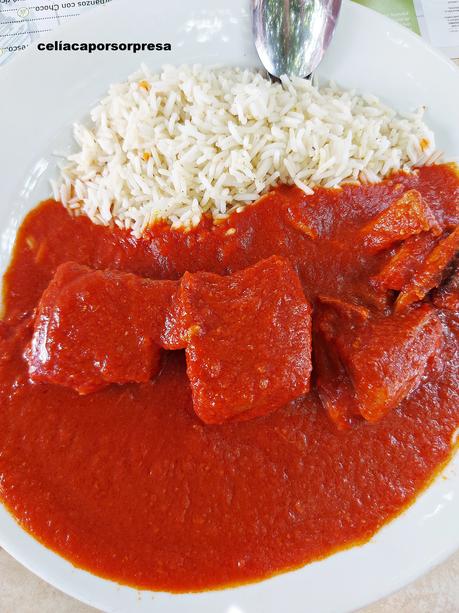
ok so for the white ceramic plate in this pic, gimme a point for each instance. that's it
(42, 93)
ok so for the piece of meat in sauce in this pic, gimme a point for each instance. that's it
(406, 216)
(333, 385)
(384, 357)
(447, 296)
(332, 381)
(399, 269)
(247, 338)
(94, 327)
(430, 273)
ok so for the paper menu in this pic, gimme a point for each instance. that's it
(403, 11)
(24, 21)
(442, 23)
(436, 20)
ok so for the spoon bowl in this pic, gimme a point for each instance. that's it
(291, 36)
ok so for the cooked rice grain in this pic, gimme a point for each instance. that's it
(194, 140)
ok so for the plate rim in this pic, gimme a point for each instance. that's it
(12, 547)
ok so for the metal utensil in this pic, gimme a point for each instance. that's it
(291, 36)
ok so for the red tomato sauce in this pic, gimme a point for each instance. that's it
(129, 484)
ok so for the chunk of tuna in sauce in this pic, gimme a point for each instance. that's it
(406, 216)
(128, 482)
(447, 296)
(98, 327)
(386, 357)
(247, 338)
(431, 272)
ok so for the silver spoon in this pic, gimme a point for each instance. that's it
(291, 36)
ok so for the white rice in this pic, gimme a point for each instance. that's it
(194, 140)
